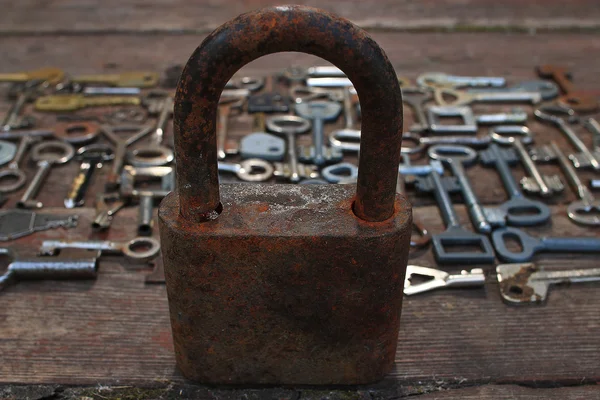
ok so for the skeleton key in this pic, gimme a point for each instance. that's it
(572, 98)
(49, 75)
(18, 223)
(585, 158)
(440, 279)
(223, 114)
(531, 245)
(537, 183)
(440, 79)
(594, 127)
(73, 102)
(134, 79)
(527, 283)
(416, 99)
(155, 154)
(140, 249)
(45, 160)
(319, 112)
(13, 120)
(290, 126)
(584, 211)
(463, 98)
(92, 157)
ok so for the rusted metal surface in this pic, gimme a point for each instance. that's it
(271, 30)
(285, 284)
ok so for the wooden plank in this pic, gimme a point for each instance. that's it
(116, 329)
(25, 17)
(514, 392)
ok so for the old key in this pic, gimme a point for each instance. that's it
(73, 102)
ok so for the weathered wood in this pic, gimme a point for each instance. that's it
(183, 16)
(116, 330)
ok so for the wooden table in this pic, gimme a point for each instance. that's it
(111, 338)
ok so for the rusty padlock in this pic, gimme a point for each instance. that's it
(285, 284)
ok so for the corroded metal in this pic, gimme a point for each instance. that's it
(272, 30)
(285, 284)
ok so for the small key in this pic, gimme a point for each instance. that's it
(531, 246)
(290, 126)
(18, 223)
(464, 98)
(135, 79)
(224, 112)
(585, 158)
(140, 249)
(92, 157)
(319, 112)
(537, 183)
(49, 75)
(440, 79)
(518, 210)
(45, 160)
(440, 279)
(71, 264)
(250, 170)
(522, 284)
(73, 102)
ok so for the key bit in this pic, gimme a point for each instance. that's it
(440, 279)
(527, 283)
(73, 102)
(18, 223)
(553, 182)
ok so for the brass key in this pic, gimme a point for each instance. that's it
(50, 75)
(72, 102)
(132, 79)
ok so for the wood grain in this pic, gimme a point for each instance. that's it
(116, 330)
(158, 16)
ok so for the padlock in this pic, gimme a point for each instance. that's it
(285, 284)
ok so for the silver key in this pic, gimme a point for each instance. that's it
(440, 79)
(249, 170)
(140, 249)
(155, 154)
(594, 127)
(440, 279)
(223, 114)
(289, 126)
(527, 283)
(72, 264)
(18, 223)
(585, 158)
(544, 185)
(45, 161)
(299, 74)
(470, 121)
(13, 120)
(319, 112)
(463, 98)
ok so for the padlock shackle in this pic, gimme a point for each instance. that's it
(279, 29)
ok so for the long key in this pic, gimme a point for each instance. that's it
(594, 127)
(50, 75)
(223, 115)
(319, 112)
(290, 126)
(537, 183)
(463, 98)
(585, 211)
(92, 157)
(14, 120)
(531, 246)
(440, 79)
(455, 234)
(73, 102)
(527, 283)
(111, 132)
(45, 160)
(155, 154)
(585, 158)
(470, 121)
(17, 177)
(457, 157)
(18, 223)
(72, 264)
(134, 79)
(575, 99)
(518, 210)
(140, 249)
(440, 279)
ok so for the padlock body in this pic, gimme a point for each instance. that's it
(286, 286)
